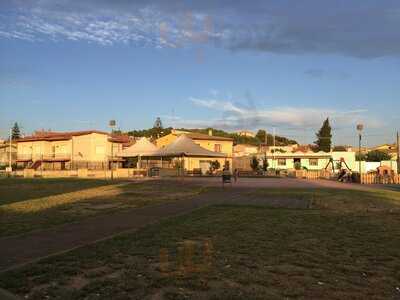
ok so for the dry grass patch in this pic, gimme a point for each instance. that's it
(24, 216)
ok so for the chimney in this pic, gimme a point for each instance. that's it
(210, 133)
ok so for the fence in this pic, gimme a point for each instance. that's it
(373, 178)
(311, 174)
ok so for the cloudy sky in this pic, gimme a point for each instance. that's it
(283, 64)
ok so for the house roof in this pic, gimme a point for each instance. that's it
(201, 136)
(142, 147)
(184, 146)
(67, 135)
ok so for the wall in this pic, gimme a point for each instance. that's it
(194, 162)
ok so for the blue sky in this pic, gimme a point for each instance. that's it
(70, 65)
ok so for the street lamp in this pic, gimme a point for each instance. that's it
(360, 128)
(9, 169)
(112, 124)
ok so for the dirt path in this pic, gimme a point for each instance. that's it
(17, 250)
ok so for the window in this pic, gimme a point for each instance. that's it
(281, 162)
(217, 148)
(313, 161)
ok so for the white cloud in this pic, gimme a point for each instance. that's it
(145, 27)
(235, 116)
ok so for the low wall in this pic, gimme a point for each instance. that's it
(83, 173)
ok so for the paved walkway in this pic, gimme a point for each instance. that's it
(284, 183)
(18, 250)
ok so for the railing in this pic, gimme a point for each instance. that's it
(24, 156)
(52, 156)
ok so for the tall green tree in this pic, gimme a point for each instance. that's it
(377, 156)
(15, 132)
(261, 135)
(324, 137)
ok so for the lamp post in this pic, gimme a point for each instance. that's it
(360, 128)
(9, 154)
(112, 124)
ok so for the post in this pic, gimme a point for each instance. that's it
(112, 124)
(359, 153)
(273, 153)
(10, 157)
(398, 153)
(360, 128)
(112, 157)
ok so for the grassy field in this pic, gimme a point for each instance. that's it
(344, 247)
(21, 189)
(27, 205)
(350, 201)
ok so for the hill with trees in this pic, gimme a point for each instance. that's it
(156, 132)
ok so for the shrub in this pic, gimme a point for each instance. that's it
(254, 163)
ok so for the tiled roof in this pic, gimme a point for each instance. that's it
(60, 136)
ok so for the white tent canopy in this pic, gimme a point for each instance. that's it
(184, 146)
(142, 147)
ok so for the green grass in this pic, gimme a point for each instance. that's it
(256, 253)
(66, 201)
(21, 189)
(339, 200)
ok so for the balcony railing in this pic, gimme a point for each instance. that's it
(52, 156)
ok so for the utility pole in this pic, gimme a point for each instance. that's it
(360, 128)
(112, 124)
(273, 153)
(9, 155)
(398, 153)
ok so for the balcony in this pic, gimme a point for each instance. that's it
(44, 157)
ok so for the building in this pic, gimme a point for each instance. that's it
(302, 160)
(312, 160)
(389, 148)
(244, 150)
(90, 149)
(210, 142)
(246, 133)
(5, 154)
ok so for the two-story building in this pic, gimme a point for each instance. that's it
(5, 156)
(206, 141)
(91, 149)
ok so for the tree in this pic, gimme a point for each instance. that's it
(261, 136)
(377, 156)
(361, 156)
(265, 163)
(254, 163)
(157, 128)
(324, 137)
(15, 132)
(214, 165)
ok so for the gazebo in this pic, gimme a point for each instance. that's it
(184, 147)
(142, 148)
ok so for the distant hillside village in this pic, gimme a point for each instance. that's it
(193, 151)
